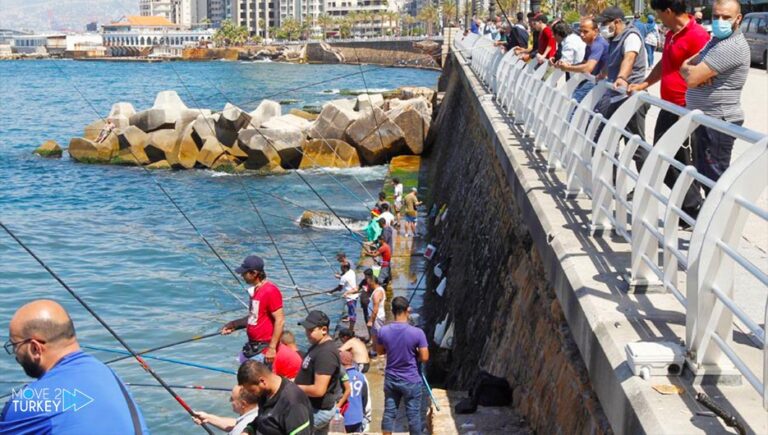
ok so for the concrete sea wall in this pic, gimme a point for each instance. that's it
(424, 54)
(501, 292)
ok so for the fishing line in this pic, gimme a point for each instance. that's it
(162, 189)
(106, 326)
(250, 199)
(163, 359)
(188, 387)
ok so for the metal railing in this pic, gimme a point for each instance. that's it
(596, 153)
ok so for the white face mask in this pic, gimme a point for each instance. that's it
(606, 32)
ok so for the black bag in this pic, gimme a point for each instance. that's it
(253, 348)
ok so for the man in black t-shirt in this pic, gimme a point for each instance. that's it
(283, 407)
(321, 371)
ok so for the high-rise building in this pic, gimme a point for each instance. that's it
(258, 16)
(157, 8)
(217, 12)
(186, 13)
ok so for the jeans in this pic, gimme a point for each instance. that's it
(650, 49)
(693, 200)
(394, 391)
(352, 310)
(582, 90)
(712, 151)
(322, 419)
(635, 125)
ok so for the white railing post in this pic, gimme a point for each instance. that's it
(720, 220)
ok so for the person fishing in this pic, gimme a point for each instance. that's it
(42, 340)
(265, 320)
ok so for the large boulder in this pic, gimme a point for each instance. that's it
(160, 146)
(49, 148)
(121, 113)
(414, 129)
(420, 104)
(226, 163)
(132, 142)
(408, 92)
(286, 142)
(162, 164)
(164, 113)
(210, 153)
(204, 127)
(366, 101)
(265, 111)
(288, 122)
(189, 116)
(344, 103)
(302, 114)
(329, 153)
(375, 136)
(261, 154)
(185, 152)
(92, 130)
(333, 122)
(88, 151)
(231, 121)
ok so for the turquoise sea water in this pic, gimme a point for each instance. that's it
(112, 236)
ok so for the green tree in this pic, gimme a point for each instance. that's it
(345, 27)
(290, 30)
(429, 16)
(408, 22)
(325, 22)
(229, 34)
(449, 11)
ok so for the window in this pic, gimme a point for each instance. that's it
(745, 24)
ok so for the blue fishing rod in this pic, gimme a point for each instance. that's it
(429, 389)
(106, 326)
(158, 358)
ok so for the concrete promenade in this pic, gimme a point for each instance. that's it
(589, 277)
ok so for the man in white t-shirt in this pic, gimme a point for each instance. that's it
(398, 198)
(386, 214)
(348, 284)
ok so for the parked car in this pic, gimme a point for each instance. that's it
(755, 30)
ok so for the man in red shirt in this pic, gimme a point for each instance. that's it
(287, 362)
(684, 39)
(547, 45)
(265, 320)
(385, 252)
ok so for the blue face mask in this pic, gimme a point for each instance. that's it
(722, 28)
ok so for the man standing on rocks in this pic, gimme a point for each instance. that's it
(265, 319)
(411, 203)
(405, 347)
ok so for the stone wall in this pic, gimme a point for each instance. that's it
(508, 319)
(424, 54)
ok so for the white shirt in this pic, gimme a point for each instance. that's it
(388, 217)
(399, 192)
(380, 315)
(633, 43)
(347, 283)
(573, 49)
(243, 421)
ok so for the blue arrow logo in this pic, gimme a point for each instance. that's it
(76, 400)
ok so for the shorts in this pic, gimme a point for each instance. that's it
(364, 367)
(352, 310)
(354, 428)
(377, 325)
(410, 219)
(385, 275)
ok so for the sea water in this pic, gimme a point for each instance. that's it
(111, 234)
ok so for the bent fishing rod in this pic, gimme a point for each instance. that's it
(162, 189)
(106, 326)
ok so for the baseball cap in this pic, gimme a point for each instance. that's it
(251, 262)
(610, 14)
(315, 319)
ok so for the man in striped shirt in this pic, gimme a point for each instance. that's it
(715, 78)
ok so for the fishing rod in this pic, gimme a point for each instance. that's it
(429, 389)
(165, 346)
(250, 199)
(106, 326)
(162, 189)
(163, 359)
(181, 387)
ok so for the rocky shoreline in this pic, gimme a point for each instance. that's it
(366, 130)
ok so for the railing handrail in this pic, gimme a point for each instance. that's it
(588, 147)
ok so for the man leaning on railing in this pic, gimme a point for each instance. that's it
(684, 40)
(626, 65)
(715, 78)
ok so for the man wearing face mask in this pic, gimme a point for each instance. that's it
(715, 78)
(626, 65)
(684, 39)
(74, 393)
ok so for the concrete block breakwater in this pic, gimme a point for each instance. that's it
(369, 129)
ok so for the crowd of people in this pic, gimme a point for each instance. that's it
(697, 70)
(279, 389)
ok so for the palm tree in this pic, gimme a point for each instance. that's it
(392, 16)
(408, 21)
(325, 21)
(345, 26)
(449, 11)
(367, 16)
(429, 15)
